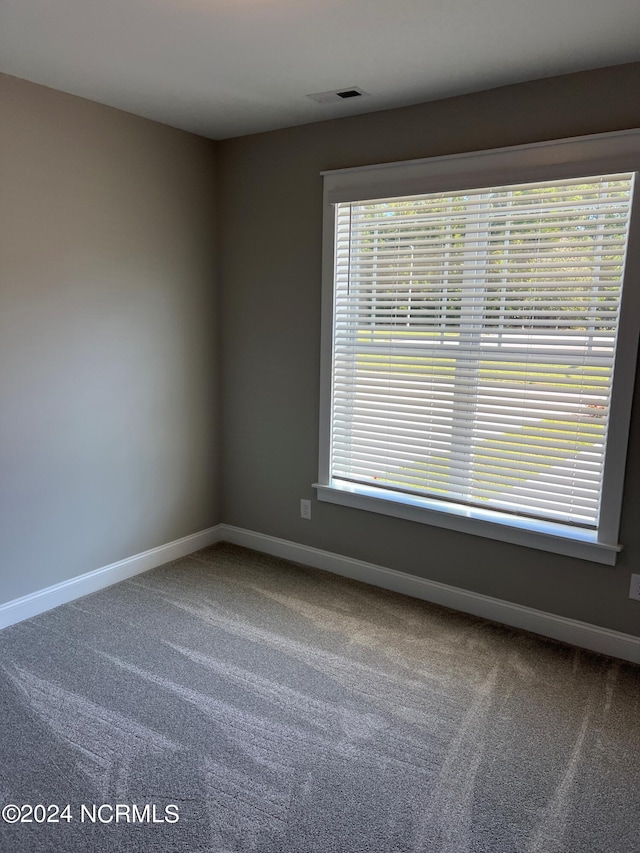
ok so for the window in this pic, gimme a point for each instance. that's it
(477, 371)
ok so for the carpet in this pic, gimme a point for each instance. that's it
(230, 701)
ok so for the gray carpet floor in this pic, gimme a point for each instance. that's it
(280, 708)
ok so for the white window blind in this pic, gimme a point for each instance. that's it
(474, 336)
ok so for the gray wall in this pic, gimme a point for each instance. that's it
(270, 207)
(108, 348)
(110, 430)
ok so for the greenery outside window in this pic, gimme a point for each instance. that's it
(479, 341)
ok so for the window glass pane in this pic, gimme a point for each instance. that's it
(474, 342)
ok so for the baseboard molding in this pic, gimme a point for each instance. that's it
(60, 593)
(581, 634)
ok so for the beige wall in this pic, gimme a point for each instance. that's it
(108, 348)
(270, 207)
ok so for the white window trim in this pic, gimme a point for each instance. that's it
(577, 157)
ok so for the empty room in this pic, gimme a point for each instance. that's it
(319, 426)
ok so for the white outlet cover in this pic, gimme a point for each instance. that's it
(305, 509)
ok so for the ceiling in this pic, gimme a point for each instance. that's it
(225, 68)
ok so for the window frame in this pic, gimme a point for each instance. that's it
(575, 157)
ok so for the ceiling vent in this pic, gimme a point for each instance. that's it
(339, 95)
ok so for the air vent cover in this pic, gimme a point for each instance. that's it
(339, 95)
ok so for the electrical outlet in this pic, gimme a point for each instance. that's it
(634, 589)
(305, 509)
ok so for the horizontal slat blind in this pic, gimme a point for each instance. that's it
(474, 339)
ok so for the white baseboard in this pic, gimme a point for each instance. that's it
(582, 634)
(60, 593)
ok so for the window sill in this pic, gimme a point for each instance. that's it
(544, 536)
